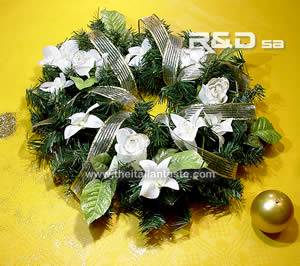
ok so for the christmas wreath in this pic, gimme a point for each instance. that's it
(92, 125)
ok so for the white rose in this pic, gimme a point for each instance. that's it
(215, 91)
(83, 62)
(131, 147)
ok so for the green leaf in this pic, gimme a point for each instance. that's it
(96, 198)
(113, 21)
(253, 141)
(263, 128)
(163, 154)
(83, 84)
(100, 162)
(186, 160)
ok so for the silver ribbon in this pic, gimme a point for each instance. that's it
(115, 60)
(237, 111)
(168, 45)
(115, 93)
(101, 143)
(171, 58)
(158, 31)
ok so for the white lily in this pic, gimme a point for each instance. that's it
(218, 125)
(58, 84)
(136, 54)
(186, 129)
(60, 57)
(83, 120)
(156, 176)
(191, 61)
(83, 62)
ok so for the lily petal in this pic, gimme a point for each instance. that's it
(96, 105)
(68, 83)
(195, 116)
(148, 165)
(149, 191)
(71, 130)
(146, 46)
(136, 50)
(178, 120)
(93, 122)
(172, 183)
(135, 61)
(163, 165)
(226, 125)
(50, 53)
(77, 117)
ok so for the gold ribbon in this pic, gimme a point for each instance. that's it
(237, 111)
(101, 143)
(115, 60)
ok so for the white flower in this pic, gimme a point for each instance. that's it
(83, 120)
(218, 125)
(215, 91)
(136, 54)
(83, 62)
(69, 55)
(156, 176)
(186, 130)
(131, 146)
(60, 57)
(58, 84)
(191, 61)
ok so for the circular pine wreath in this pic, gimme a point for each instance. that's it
(94, 128)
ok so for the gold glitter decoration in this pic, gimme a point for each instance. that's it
(7, 124)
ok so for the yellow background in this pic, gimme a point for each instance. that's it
(40, 225)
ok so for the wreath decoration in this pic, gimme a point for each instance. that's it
(92, 125)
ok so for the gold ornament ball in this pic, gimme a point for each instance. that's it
(271, 211)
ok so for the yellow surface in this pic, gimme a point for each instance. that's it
(39, 225)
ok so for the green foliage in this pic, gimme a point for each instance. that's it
(100, 162)
(263, 129)
(149, 77)
(179, 95)
(83, 84)
(251, 95)
(96, 199)
(113, 21)
(220, 192)
(186, 160)
(83, 40)
(237, 147)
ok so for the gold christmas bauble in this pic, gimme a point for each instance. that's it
(271, 211)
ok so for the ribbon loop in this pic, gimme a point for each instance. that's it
(115, 60)
(101, 143)
(168, 45)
